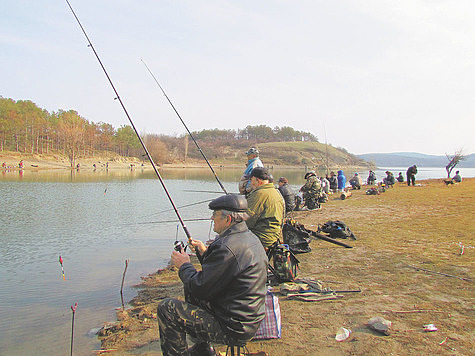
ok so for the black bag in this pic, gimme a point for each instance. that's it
(285, 263)
(336, 229)
(297, 237)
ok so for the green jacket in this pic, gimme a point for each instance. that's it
(266, 211)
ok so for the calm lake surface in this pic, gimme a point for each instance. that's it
(95, 221)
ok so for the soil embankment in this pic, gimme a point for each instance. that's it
(402, 229)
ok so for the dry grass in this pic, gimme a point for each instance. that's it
(403, 227)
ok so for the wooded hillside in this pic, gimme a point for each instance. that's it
(27, 128)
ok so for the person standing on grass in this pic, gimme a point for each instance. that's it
(411, 175)
(253, 161)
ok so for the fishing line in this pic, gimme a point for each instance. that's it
(186, 127)
(181, 206)
(168, 221)
(187, 233)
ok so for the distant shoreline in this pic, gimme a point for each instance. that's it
(44, 162)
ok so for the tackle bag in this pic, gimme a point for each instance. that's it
(336, 229)
(285, 263)
(296, 236)
(271, 326)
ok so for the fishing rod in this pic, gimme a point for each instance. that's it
(185, 229)
(186, 127)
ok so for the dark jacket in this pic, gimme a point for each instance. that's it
(289, 197)
(412, 171)
(232, 281)
(333, 183)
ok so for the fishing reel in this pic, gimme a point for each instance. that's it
(179, 245)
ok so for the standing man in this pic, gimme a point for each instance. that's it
(265, 208)
(224, 302)
(411, 175)
(253, 161)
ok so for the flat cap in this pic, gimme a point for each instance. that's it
(230, 202)
(261, 173)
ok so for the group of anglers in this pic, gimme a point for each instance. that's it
(225, 300)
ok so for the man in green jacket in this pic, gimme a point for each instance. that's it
(265, 208)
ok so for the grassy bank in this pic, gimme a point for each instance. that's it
(398, 231)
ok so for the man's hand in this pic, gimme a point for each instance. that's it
(197, 245)
(179, 258)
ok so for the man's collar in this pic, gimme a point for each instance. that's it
(238, 227)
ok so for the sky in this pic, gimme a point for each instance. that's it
(368, 76)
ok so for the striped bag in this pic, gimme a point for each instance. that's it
(271, 326)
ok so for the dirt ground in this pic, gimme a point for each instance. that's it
(402, 229)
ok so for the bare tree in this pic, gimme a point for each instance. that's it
(453, 161)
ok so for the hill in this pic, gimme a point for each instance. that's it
(403, 159)
(296, 153)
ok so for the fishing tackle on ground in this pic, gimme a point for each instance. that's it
(185, 229)
(186, 127)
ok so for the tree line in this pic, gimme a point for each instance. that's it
(27, 128)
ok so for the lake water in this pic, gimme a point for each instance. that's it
(95, 221)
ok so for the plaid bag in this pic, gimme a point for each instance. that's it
(271, 326)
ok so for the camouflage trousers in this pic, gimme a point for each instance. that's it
(176, 319)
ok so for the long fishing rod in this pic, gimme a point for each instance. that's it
(185, 229)
(186, 127)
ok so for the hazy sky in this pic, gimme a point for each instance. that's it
(376, 75)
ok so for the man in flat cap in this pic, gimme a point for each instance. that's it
(224, 302)
(266, 208)
(253, 161)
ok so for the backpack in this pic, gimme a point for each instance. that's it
(336, 229)
(296, 237)
(285, 263)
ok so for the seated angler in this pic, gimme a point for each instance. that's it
(265, 208)
(311, 190)
(389, 180)
(287, 194)
(224, 302)
(400, 178)
(356, 181)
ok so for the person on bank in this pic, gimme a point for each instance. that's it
(333, 182)
(389, 180)
(457, 178)
(224, 302)
(371, 178)
(287, 193)
(312, 189)
(265, 208)
(341, 181)
(411, 175)
(400, 178)
(253, 161)
(356, 181)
